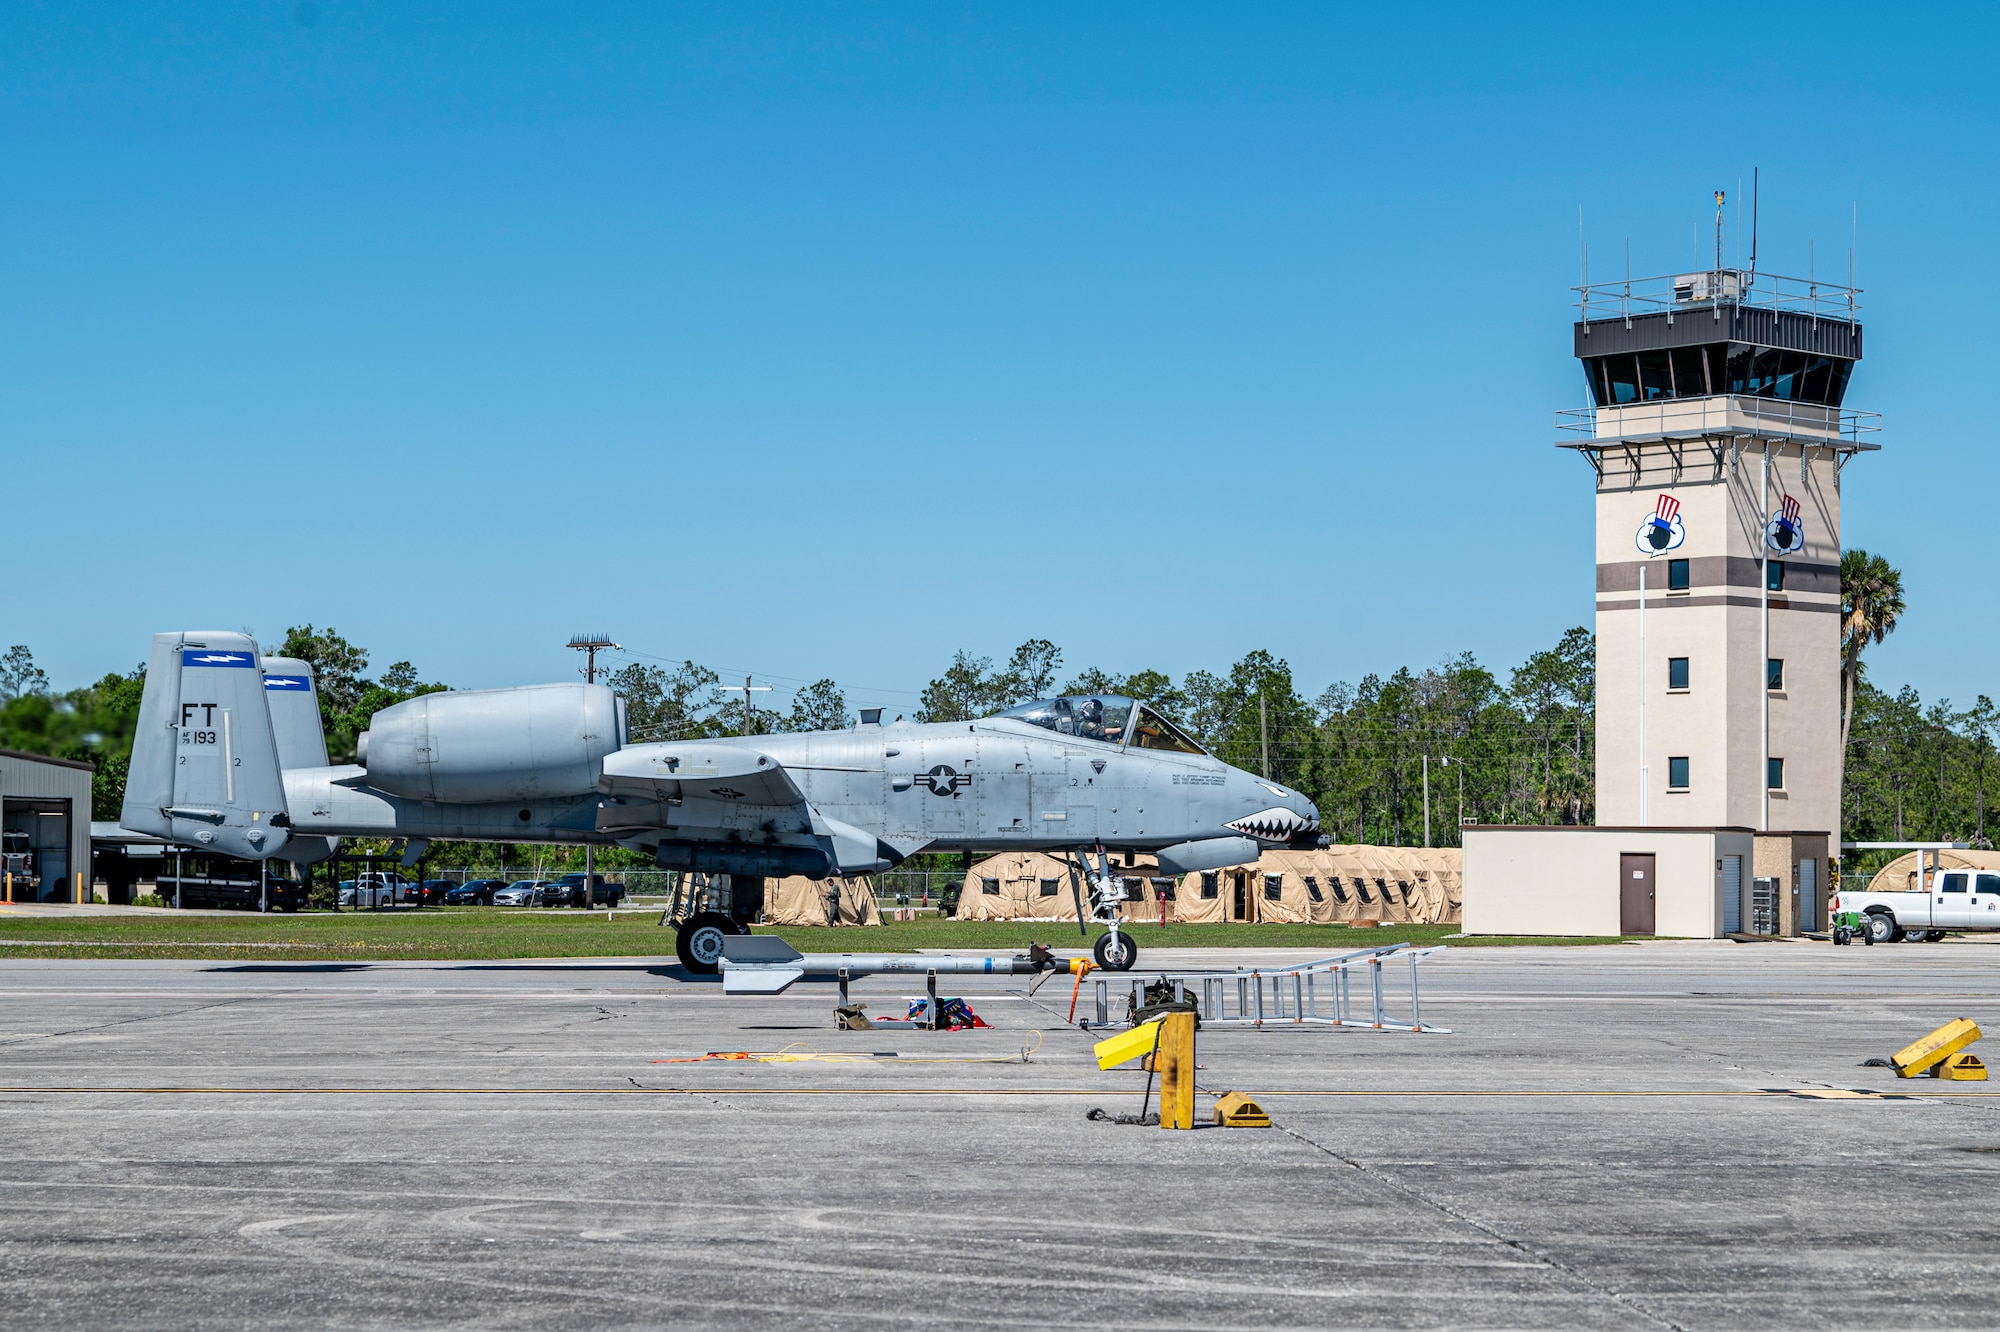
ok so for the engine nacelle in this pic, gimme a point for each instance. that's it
(479, 745)
(1208, 854)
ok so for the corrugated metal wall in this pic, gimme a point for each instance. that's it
(35, 777)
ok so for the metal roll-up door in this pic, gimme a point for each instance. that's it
(1732, 894)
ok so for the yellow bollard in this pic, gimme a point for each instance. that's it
(1175, 1061)
(1918, 1056)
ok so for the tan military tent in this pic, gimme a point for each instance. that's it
(798, 900)
(1030, 885)
(1900, 874)
(1345, 883)
(1202, 899)
(1340, 883)
(1348, 883)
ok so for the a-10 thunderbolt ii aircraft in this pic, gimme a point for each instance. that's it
(1088, 776)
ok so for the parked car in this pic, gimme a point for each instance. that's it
(377, 888)
(430, 892)
(473, 892)
(605, 894)
(520, 893)
(1958, 899)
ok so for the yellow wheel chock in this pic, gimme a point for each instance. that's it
(1961, 1067)
(1925, 1054)
(1236, 1110)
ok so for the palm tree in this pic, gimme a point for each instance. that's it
(1871, 601)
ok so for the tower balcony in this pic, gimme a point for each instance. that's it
(1716, 429)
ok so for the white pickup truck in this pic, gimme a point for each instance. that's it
(1959, 899)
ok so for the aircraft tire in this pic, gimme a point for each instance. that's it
(698, 941)
(1127, 956)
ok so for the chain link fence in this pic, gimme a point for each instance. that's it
(895, 888)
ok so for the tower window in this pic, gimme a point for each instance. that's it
(1774, 673)
(1655, 376)
(1677, 575)
(1690, 377)
(1677, 774)
(1774, 773)
(1677, 672)
(1774, 575)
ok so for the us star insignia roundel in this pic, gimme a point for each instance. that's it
(945, 781)
(1662, 530)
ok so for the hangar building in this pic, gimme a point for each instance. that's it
(45, 827)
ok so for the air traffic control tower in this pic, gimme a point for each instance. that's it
(1718, 432)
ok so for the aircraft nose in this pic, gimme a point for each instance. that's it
(1274, 813)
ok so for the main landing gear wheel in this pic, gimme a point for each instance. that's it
(698, 941)
(1881, 927)
(1119, 958)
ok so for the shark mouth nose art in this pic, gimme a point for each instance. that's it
(1273, 825)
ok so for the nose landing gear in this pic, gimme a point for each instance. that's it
(1114, 951)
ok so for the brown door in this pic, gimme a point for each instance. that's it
(1635, 894)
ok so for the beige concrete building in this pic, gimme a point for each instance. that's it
(1717, 435)
(1671, 882)
(1690, 681)
(1718, 439)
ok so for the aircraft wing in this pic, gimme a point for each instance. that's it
(692, 771)
(719, 793)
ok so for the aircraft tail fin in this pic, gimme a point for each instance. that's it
(293, 697)
(292, 693)
(204, 769)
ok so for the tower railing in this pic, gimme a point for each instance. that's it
(1712, 288)
(1722, 415)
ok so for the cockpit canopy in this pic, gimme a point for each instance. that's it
(1110, 718)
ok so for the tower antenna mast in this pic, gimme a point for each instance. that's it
(1755, 174)
(1719, 197)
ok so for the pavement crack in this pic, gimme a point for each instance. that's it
(124, 1022)
(699, 1095)
(1521, 1247)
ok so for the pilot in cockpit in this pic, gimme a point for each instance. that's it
(1090, 720)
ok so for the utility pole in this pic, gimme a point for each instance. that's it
(1264, 732)
(1427, 802)
(588, 645)
(749, 714)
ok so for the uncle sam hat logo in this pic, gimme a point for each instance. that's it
(1785, 533)
(1662, 530)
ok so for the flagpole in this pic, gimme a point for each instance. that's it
(1764, 666)
(1642, 696)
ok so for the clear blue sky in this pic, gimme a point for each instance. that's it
(827, 340)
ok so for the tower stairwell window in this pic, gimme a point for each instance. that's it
(1677, 774)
